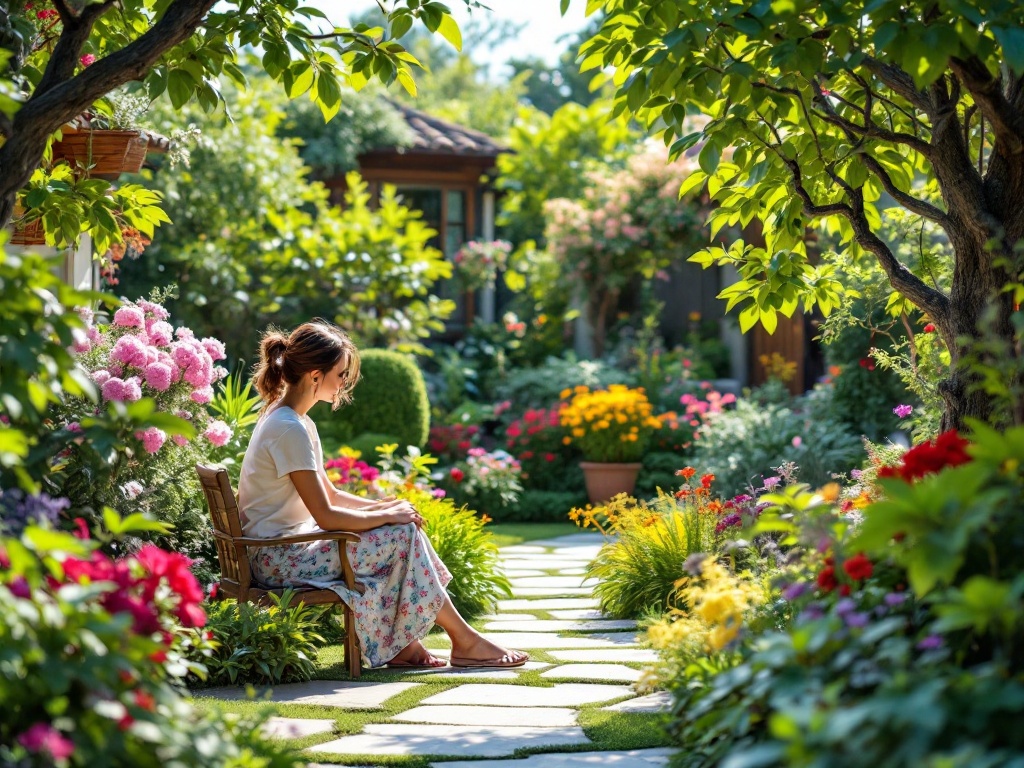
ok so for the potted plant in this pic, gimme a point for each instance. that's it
(612, 428)
(108, 141)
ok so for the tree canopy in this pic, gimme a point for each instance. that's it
(58, 60)
(828, 112)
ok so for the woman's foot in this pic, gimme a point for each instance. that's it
(416, 656)
(481, 652)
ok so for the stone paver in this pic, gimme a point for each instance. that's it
(484, 672)
(550, 591)
(509, 622)
(548, 605)
(526, 640)
(558, 695)
(529, 549)
(581, 613)
(551, 582)
(580, 540)
(545, 563)
(518, 573)
(539, 717)
(295, 727)
(611, 672)
(479, 741)
(634, 758)
(619, 655)
(661, 701)
(331, 693)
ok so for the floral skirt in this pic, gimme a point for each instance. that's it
(405, 583)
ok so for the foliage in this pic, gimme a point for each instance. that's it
(742, 445)
(464, 545)
(477, 263)
(365, 121)
(536, 440)
(451, 442)
(237, 408)
(390, 398)
(93, 651)
(263, 645)
(640, 565)
(349, 472)
(488, 482)
(548, 506)
(628, 225)
(550, 158)
(541, 387)
(614, 424)
(69, 206)
(257, 242)
(925, 93)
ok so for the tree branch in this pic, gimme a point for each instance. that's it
(64, 59)
(870, 129)
(899, 81)
(987, 92)
(64, 11)
(911, 203)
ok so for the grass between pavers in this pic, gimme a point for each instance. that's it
(507, 534)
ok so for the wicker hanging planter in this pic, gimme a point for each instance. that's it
(29, 234)
(102, 154)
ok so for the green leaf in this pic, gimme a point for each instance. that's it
(180, 86)
(450, 31)
(709, 157)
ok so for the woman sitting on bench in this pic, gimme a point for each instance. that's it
(284, 490)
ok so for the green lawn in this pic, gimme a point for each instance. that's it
(507, 534)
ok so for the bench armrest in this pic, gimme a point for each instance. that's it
(281, 541)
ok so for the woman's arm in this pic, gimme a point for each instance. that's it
(335, 517)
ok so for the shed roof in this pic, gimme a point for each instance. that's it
(432, 135)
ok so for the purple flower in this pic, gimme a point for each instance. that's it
(856, 619)
(771, 482)
(895, 598)
(903, 410)
(856, 474)
(930, 643)
(795, 591)
(728, 522)
(845, 606)
(811, 612)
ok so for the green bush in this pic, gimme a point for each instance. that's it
(262, 645)
(390, 399)
(658, 471)
(464, 545)
(91, 664)
(537, 506)
(367, 444)
(741, 446)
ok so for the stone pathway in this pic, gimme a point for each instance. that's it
(584, 656)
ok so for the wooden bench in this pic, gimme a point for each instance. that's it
(233, 553)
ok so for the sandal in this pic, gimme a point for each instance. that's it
(433, 663)
(507, 661)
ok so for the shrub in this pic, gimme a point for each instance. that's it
(658, 472)
(534, 506)
(367, 444)
(463, 543)
(451, 442)
(390, 399)
(486, 482)
(537, 439)
(638, 569)
(262, 645)
(740, 446)
(92, 649)
(541, 387)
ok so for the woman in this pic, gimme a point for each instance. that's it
(284, 490)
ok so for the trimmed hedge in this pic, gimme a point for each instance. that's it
(390, 399)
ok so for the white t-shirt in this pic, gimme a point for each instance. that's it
(282, 442)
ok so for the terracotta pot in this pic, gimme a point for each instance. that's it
(605, 479)
(106, 154)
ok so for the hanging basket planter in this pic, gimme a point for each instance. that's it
(29, 234)
(102, 154)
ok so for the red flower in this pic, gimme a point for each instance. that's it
(214, 589)
(686, 473)
(844, 590)
(868, 363)
(827, 579)
(549, 457)
(457, 474)
(858, 567)
(81, 528)
(707, 480)
(929, 328)
(145, 700)
(948, 450)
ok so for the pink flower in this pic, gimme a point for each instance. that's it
(100, 377)
(903, 410)
(180, 440)
(81, 343)
(94, 335)
(184, 333)
(218, 433)
(153, 309)
(160, 333)
(87, 59)
(74, 426)
(214, 348)
(129, 317)
(798, 441)
(152, 439)
(158, 376)
(129, 350)
(200, 375)
(202, 395)
(43, 738)
(132, 389)
(113, 388)
(132, 489)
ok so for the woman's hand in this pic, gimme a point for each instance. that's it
(403, 513)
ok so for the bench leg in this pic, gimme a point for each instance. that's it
(352, 655)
